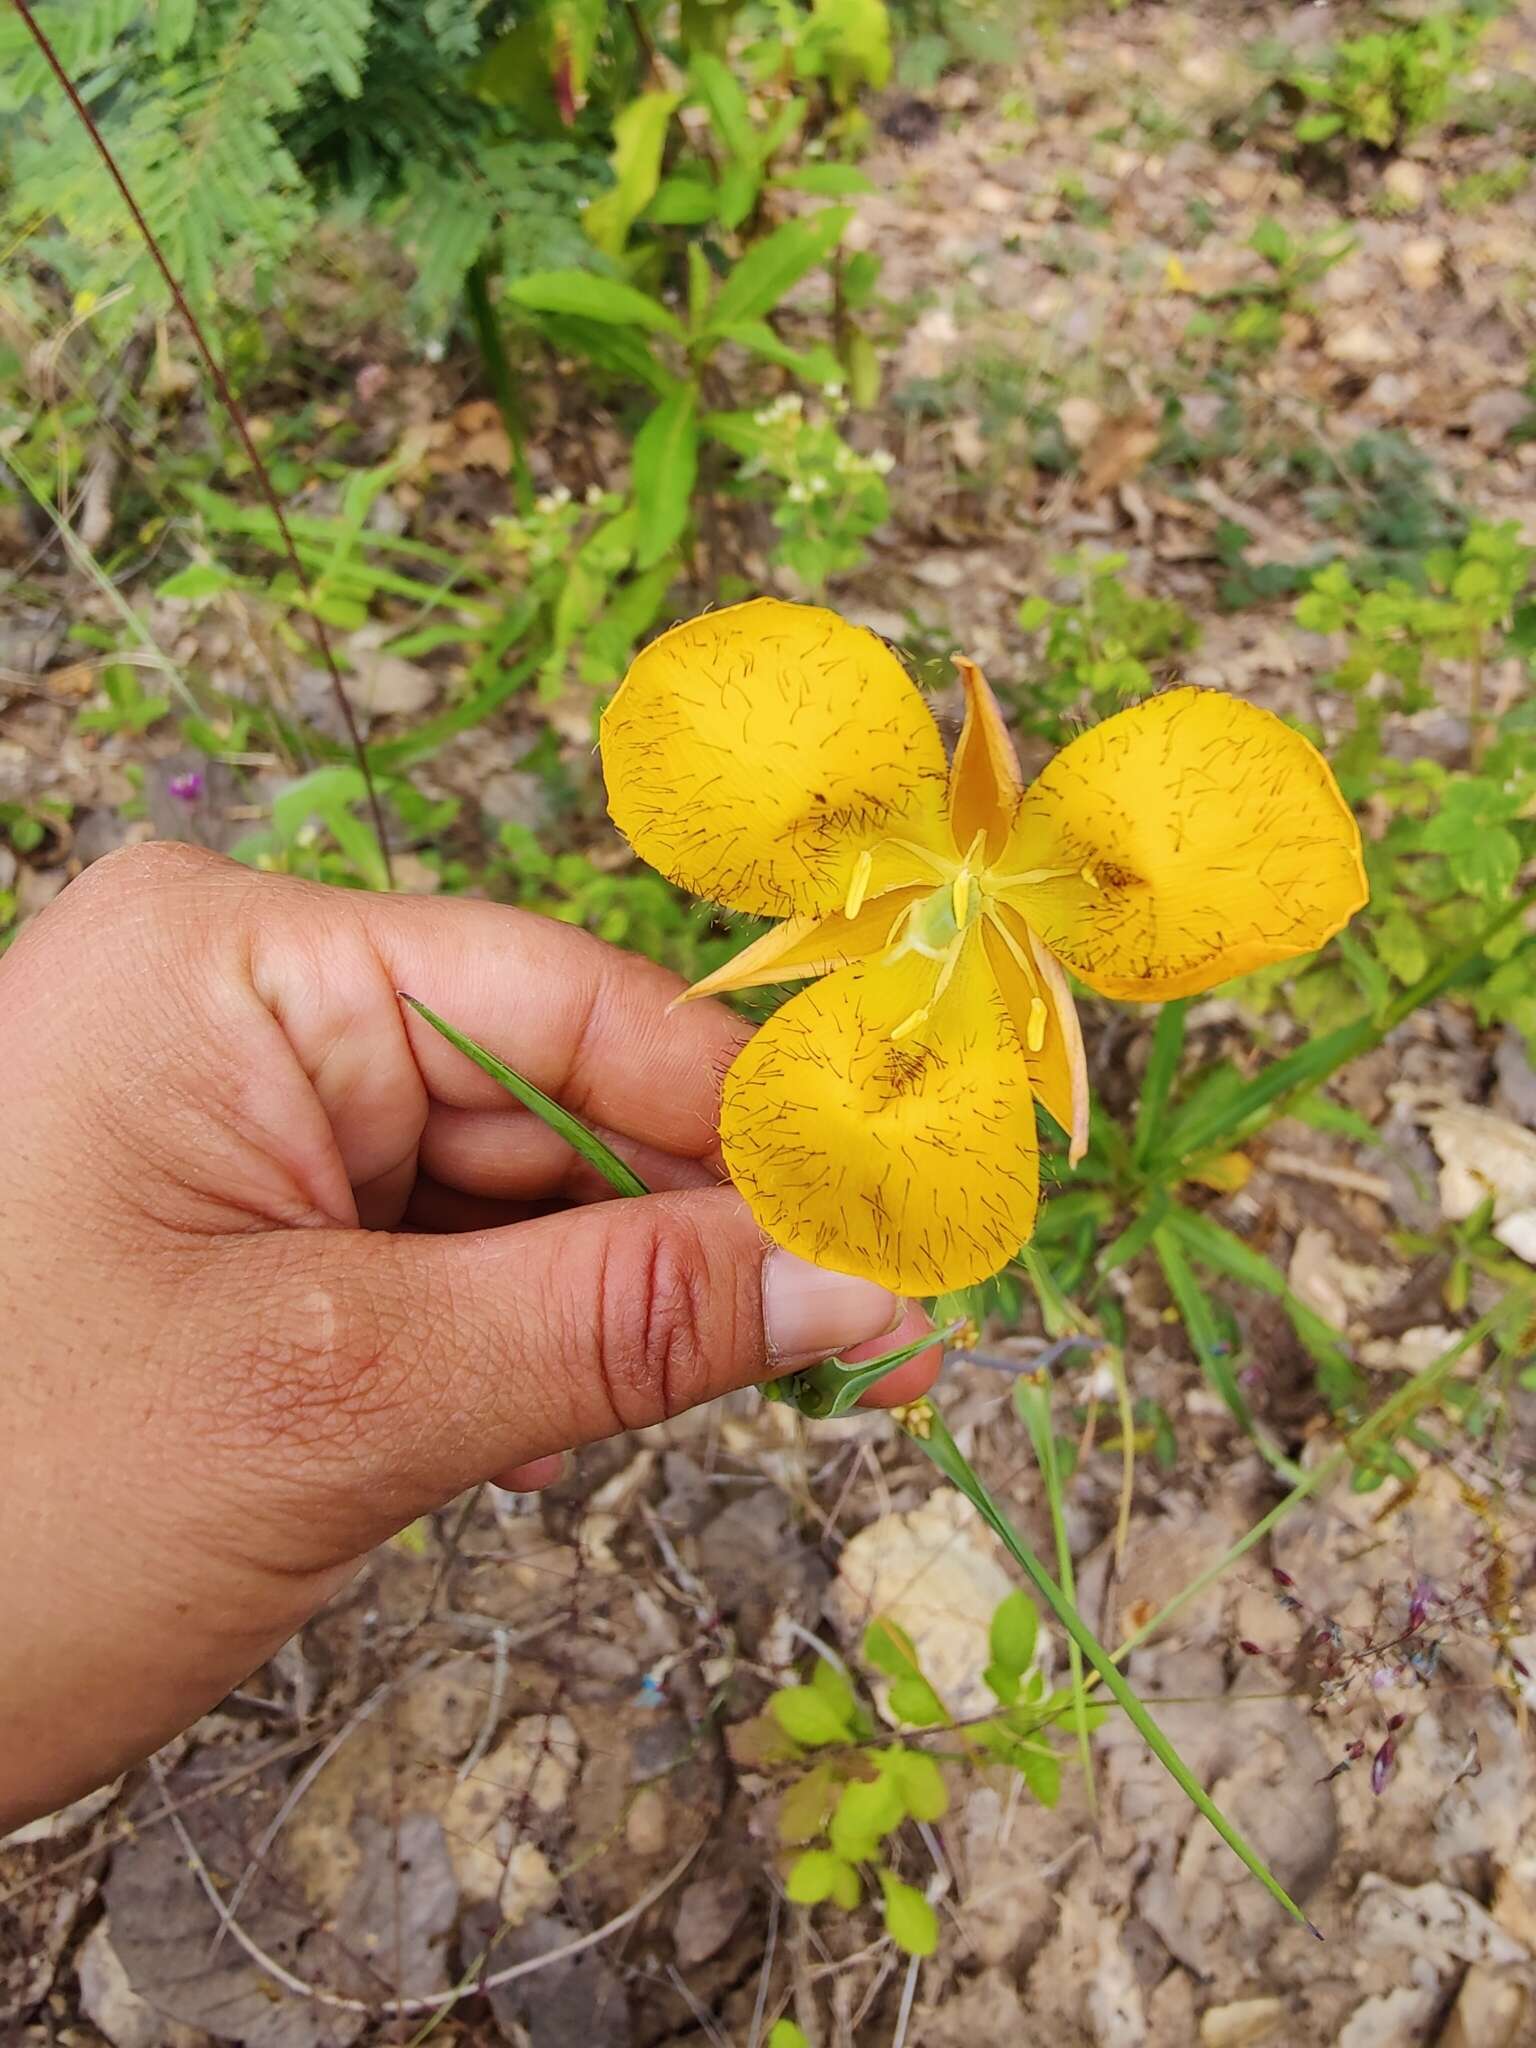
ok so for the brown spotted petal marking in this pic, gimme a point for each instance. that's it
(780, 761)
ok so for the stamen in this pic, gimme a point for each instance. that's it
(1029, 878)
(960, 896)
(1034, 1036)
(947, 971)
(909, 1024)
(1021, 958)
(929, 860)
(863, 868)
(1090, 877)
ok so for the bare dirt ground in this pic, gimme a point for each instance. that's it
(488, 1796)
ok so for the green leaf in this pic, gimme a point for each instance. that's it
(772, 267)
(575, 1133)
(1015, 1626)
(786, 2034)
(715, 84)
(827, 181)
(920, 1782)
(1162, 1069)
(198, 579)
(1206, 1338)
(818, 1875)
(914, 1701)
(1003, 1685)
(639, 137)
(666, 462)
(835, 1690)
(1401, 946)
(817, 365)
(742, 432)
(890, 1649)
(583, 292)
(740, 184)
(1041, 1771)
(174, 23)
(808, 1716)
(1224, 1252)
(909, 1919)
(1318, 127)
(863, 369)
(320, 794)
(623, 351)
(1486, 863)
(866, 1813)
(683, 202)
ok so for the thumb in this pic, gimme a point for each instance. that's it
(415, 1366)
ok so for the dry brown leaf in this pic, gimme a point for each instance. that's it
(1119, 450)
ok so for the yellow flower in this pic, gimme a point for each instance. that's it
(780, 761)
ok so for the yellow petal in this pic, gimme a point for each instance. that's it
(909, 1161)
(1187, 840)
(804, 946)
(984, 782)
(1027, 976)
(752, 754)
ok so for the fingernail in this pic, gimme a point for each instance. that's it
(809, 1313)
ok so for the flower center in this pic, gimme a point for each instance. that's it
(936, 927)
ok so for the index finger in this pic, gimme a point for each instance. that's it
(585, 1022)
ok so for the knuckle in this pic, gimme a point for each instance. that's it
(663, 1321)
(144, 873)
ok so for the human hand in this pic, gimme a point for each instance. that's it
(220, 1391)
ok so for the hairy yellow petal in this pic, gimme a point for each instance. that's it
(984, 781)
(1058, 1070)
(909, 1161)
(803, 946)
(754, 753)
(1187, 840)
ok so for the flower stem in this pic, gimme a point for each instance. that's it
(941, 1448)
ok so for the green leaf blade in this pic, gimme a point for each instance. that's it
(666, 463)
(607, 300)
(772, 267)
(575, 1133)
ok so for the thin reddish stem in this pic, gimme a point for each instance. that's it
(236, 418)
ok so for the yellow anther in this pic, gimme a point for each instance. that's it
(909, 1024)
(915, 1417)
(1035, 1029)
(863, 868)
(1090, 877)
(960, 896)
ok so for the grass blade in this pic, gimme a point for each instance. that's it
(574, 1132)
(1157, 1083)
(1223, 1252)
(1032, 1398)
(1199, 1317)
